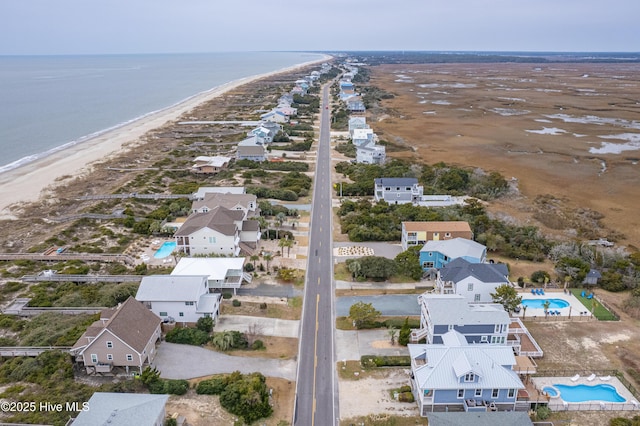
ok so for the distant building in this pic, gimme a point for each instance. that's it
(123, 409)
(418, 233)
(474, 281)
(210, 165)
(397, 190)
(436, 254)
(370, 153)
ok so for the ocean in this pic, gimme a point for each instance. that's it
(50, 102)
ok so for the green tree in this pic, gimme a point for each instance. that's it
(205, 324)
(507, 296)
(408, 262)
(363, 314)
(545, 306)
(405, 333)
(223, 340)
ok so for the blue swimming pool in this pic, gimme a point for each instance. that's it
(582, 393)
(165, 250)
(539, 303)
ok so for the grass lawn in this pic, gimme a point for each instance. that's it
(600, 312)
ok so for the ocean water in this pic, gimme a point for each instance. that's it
(49, 102)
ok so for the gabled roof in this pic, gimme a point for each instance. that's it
(122, 409)
(456, 248)
(445, 363)
(215, 161)
(214, 268)
(172, 288)
(439, 226)
(396, 181)
(228, 201)
(502, 418)
(131, 322)
(460, 269)
(219, 219)
(204, 190)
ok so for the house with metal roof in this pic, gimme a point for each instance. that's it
(251, 148)
(397, 190)
(502, 418)
(221, 272)
(362, 136)
(247, 203)
(486, 323)
(204, 190)
(124, 336)
(436, 254)
(456, 375)
(358, 122)
(418, 233)
(371, 153)
(179, 298)
(123, 409)
(474, 281)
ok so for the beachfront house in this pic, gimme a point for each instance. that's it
(251, 148)
(247, 203)
(418, 233)
(123, 409)
(478, 323)
(355, 105)
(124, 336)
(204, 190)
(456, 376)
(223, 273)
(362, 136)
(219, 231)
(179, 298)
(210, 165)
(397, 190)
(275, 116)
(266, 131)
(371, 153)
(474, 281)
(436, 254)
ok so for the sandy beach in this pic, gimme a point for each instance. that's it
(34, 180)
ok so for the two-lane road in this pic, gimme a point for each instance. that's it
(316, 392)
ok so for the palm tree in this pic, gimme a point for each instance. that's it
(546, 305)
(393, 333)
(223, 340)
(280, 219)
(286, 242)
(267, 258)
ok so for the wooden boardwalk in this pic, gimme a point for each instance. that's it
(61, 257)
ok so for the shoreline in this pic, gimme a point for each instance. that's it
(31, 181)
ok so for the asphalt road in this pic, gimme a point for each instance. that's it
(316, 387)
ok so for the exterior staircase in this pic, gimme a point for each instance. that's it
(418, 334)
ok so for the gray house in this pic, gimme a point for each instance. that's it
(398, 190)
(123, 409)
(478, 323)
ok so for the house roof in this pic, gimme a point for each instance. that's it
(502, 418)
(362, 134)
(228, 201)
(208, 303)
(218, 218)
(437, 226)
(251, 151)
(216, 161)
(250, 225)
(172, 288)
(460, 269)
(122, 409)
(445, 363)
(396, 181)
(454, 309)
(456, 248)
(214, 268)
(203, 190)
(131, 322)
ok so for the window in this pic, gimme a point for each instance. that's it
(427, 265)
(212, 240)
(451, 327)
(447, 234)
(129, 357)
(94, 358)
(478, 392)
(460, 393)
(470, 287)
(494, 393)
(484, 339)
(476, 297)
(511, 393)
(496, 328)
(469, 377)
(189, 303)
(110, 357)
(163, 314)
(181, 314)
(387, 188)
(109, 344)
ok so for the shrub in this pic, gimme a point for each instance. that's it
(227, 296)
(170, 386)
(406, 397)
(405, 388)
(543, 413)
(213, 386)
(236, 303)
(257, 345)
(205, 324)
(263, 305)
(188, 336)
(369, 361)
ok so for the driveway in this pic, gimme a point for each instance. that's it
(266, 326)
(352, 345)
(388, 250)
(388, 305)
(176, 361)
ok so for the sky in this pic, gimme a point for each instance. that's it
(29, 27)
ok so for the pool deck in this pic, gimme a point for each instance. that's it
(575, 308)
(558, 404)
